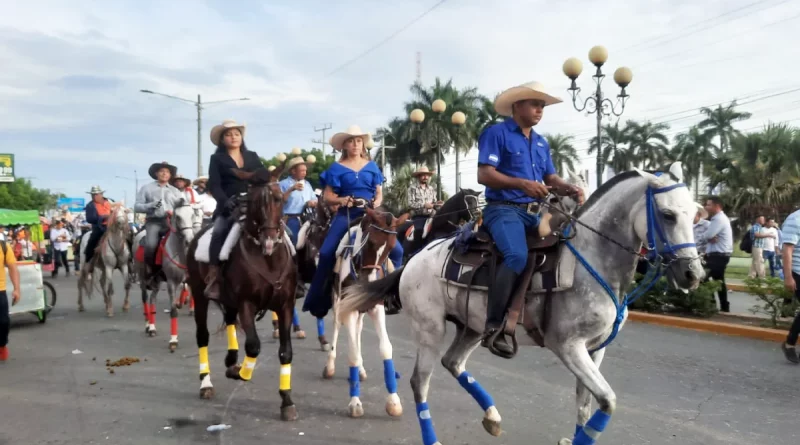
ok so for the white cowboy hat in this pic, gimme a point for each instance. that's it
(422, 171)
(180, 177)
(702, 210)
(158, 166)
(200, 179)
(337, 140)
(216, 132)
(96, 190)
(526, 91)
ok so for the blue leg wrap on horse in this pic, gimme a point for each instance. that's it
(426, 424)
(355, 391)
(591, 431)
(389, 376)
(578, 429)
(295, 318)
(320, 326)
(475, 390)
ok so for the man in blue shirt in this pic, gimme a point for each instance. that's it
(791, 275)
(297, 194)
(514, 164)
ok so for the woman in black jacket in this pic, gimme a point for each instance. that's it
(225, 187)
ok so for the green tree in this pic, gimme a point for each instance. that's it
(695, 150)
(614, 151)
(562, 151)
(648, 141)
(22, 195)
(719, 122)
(314, 170)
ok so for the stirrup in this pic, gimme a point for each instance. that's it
(488, 343)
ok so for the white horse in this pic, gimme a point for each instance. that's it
(632, 208)
(112, 253)
(184, 224)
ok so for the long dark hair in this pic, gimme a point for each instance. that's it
(221, 147)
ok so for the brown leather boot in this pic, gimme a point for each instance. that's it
(212, 283)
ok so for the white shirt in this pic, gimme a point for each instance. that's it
(208, 201)
(720, 229)
(770, 243)
(60, 245)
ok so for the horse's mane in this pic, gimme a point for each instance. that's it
(604, 189)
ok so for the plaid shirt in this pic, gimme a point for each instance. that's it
(418, 196)
(791, 235)
(758, 243)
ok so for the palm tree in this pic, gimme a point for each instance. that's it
(612, 150)
(719, 122)
(648, 141)
(486, 116)
(695, 150)
(562, 152)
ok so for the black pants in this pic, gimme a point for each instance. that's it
(222, 226)
(91, 245)
(5, 320)
(717, 263)
(154, 231)
(794, 331)
(60, 259)
(419, 225)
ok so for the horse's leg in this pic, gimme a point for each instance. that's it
(126, 306)
(428, 342)
(288, 410)
(393, 406)
(330, 366)
(455, 361)
(577, 359)
(202, 336)
(275, 329)
(81, 285)
(173, 317)
(145, 307)
(252, 344)
(108, 288)
(151, 316)
(323, 342)
(298, 331)
(191, 303)
(356, 363)
(232, 357)
(583, 398)
(362, 373)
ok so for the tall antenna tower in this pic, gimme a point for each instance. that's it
(419, 67)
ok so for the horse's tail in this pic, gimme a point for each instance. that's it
(364, 296)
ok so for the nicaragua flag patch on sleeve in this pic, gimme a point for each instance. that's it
(493, 158)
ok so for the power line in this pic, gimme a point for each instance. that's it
(382, 42)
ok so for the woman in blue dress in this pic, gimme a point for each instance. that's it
(354, 176)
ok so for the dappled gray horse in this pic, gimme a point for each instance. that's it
(632, 208)
(112, 253)
(184, 224)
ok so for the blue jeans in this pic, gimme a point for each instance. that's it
(769, 256)
(318, 301)
(293, 223)
(508, 226)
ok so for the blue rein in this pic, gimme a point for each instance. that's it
(655, 237)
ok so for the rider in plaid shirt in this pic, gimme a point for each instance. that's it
(421, 198)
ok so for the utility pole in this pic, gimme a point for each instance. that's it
(199, 105)
(322, 141)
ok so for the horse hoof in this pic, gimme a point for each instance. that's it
(126, 308)
(301, 334)
(289, 413)
(393, 406)
(362, 375)
(276, 333)
(81, 309)
(492, 427)
(206, 393)
(173, 346)
(151, 332)
(327, 372)
(325, 347)
(233, 372)
(565, 441)
(191, 311)
(356, 410)
(231, 358)
(110, 314)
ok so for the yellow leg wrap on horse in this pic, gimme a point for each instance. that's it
(233, 343)
(248, 365)
(274, 316)
(286, 377)
(203, 357)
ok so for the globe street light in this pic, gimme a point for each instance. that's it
(458, 119)
(601, 106)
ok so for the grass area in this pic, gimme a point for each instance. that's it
(737, 253)
(738, 272)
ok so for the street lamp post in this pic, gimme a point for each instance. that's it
(572, 68)
(199, 105)
(458, 119)
(417, 116)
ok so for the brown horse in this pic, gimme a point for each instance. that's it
(259, 275)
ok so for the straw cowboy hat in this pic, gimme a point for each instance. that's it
(153, 170)
(310, 159)
(337, 140)
(180, 177)
(96, 190)
(702, 210)
(422, 171)
(526, 91)
(200, 179)
(216, 132)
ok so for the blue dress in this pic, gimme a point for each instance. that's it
(345, 182)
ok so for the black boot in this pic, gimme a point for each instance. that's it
(503, 286)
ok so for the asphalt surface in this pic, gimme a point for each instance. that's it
(673, 387)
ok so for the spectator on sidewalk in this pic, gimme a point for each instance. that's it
(778, 246)
(791, 272)
(60, 237)
(7, 260)
(769, 246)
(759, 242)
(701, 224)
(719, 237)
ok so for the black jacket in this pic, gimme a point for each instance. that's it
(222, 183)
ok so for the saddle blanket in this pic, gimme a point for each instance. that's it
(159, 252)
(203, 255)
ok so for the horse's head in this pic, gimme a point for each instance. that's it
(380, 228)
(470, 200)
(667, 220)
(118, 220)
(185, 220)
(264, 206)
(568, 204)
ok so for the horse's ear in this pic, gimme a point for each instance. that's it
(654, 180)
(402, 219)
(278, 171)
(676, 170)
(241, 174)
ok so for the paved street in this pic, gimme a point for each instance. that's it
(673, 387)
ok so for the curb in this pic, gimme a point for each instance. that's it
(766, 334)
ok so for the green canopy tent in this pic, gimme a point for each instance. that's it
(23, 217)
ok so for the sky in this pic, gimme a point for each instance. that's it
(72, 112)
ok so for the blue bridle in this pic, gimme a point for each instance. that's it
(655, 237)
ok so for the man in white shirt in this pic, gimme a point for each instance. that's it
(60, 237)
(719, 236)
(204, 198)
(768, 251)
